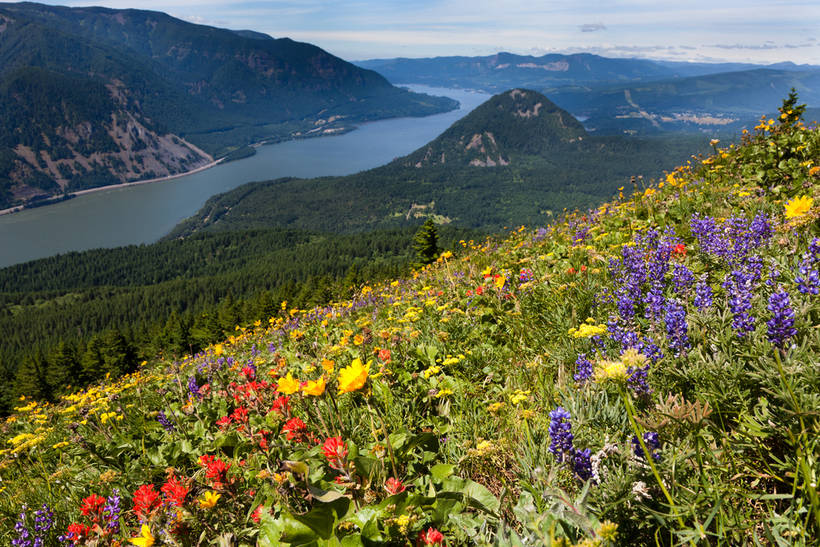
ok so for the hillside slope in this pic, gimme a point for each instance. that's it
(91, 96)
(515, 158)
(641, 373)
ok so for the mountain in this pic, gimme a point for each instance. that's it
(616, 96)
(503, 70)
(725, 101)
(494, 73)
(91, 96)
(516, 158)
(517, 122)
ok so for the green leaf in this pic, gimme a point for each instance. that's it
(441, 471)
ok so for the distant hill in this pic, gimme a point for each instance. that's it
(494, 73)
(517, 158)
(91, 96)
(725, 101)
(616, 96)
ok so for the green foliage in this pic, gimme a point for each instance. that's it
(425, 243)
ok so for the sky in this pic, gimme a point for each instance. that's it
(754, 31)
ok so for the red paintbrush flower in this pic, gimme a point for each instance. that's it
(174, 492)
(146, 499)
(335, 451)
(431, 537)
(394, 486)
(91, 506)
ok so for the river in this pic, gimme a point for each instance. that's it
(145, 213)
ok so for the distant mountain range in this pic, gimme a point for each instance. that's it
(517, 158)
(615, 96)
(94, 96)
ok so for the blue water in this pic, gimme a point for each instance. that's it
(143, 214)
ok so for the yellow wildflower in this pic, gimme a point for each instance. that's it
(145, 539)
(218, 350)
(358, 340)
(432, 371)
(209, 499)
(495, 407)
(798, 206)
(314, 387)
(327, 366)
(288, 385)
(354, 376)
(611, 370)
(588, 331)
(444, 393)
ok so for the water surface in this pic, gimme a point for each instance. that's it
(145, 213)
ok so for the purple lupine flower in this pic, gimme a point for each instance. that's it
(43, 520)
(682, 278)
(525, 275)
(637, 380)
(540, 234)
(703, 295)
(111, 511)
(652, 442)
(808, 282)
(23, 534)
(580, 236)
(655, 302)
(193, 387)
(626, 305)
(162, 418)
(739, 285)
(582, 464)
(583, 369)
(781, 325)
(560, 431)
(676, 328)
(272, 347)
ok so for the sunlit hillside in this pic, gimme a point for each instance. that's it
(642, 373)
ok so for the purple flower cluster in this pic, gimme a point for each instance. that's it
(561, 444)
(734, 239)
(193, 387)
(23, 534)
(781, 325)
(560, 433)
(111, 511)
(703, 296)
(740, 284)
(583, 369)
(808, 282)
(162, 418)
(43, 523)
(676, 328)
(652, 442)
(525, 275)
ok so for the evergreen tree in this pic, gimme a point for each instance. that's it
(62, 368)
(791, 112)
(425, 244)
(29, 379)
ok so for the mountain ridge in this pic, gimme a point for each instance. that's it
(185, 92)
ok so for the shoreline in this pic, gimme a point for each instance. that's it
(18, 208)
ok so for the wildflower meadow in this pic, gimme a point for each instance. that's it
(646, 372)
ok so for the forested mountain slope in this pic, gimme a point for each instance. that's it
(515, 158)
(92, 96)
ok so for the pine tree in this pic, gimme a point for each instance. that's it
(791, 112)
(425, 244)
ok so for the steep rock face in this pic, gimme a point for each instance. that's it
(518, 121)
